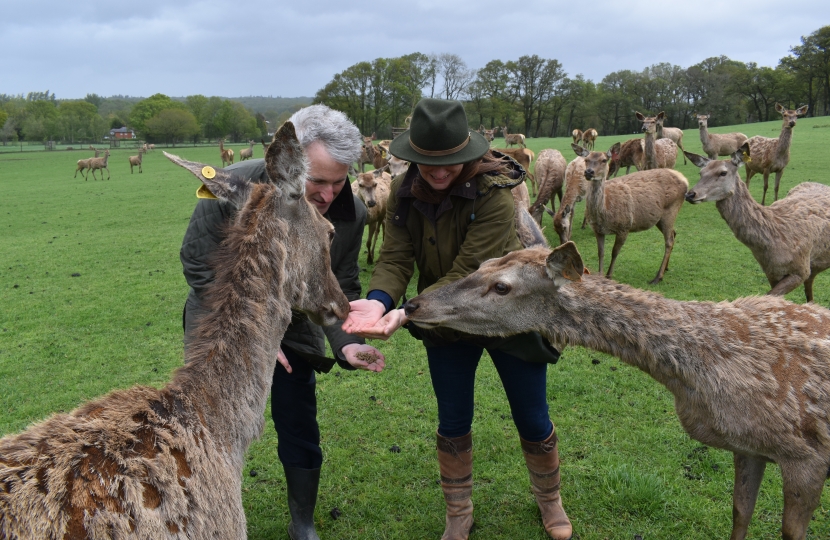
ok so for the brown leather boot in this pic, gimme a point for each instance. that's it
(542, 459)
(455, 459)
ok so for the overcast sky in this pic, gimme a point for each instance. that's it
(256, 47)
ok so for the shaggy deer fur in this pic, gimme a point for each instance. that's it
(373, 189)
(227, 155)
(550, 175)
(136, 161)
(632, 154)
(150, 463)
(589, 137)
(675, 134)
(790, 239)
(247, 153)
(513, 138)
(773, 155)
(750, 376)
(632, 203)
(714, 144)
(99, 163)
(659, 153)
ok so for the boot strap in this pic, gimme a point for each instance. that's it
(545, 474)
(456, 481)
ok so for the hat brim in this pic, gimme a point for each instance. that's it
(401, 149)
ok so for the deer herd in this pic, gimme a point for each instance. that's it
(751, 376)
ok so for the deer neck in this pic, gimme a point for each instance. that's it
(595, 201)
(651, 159)
(704, 135)
(655, 334)
(782, 149)
(231, 359)
(749, 221)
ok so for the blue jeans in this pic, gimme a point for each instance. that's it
(453, 371)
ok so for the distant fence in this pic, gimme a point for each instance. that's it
(124, 144)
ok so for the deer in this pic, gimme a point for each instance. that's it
(513, 138)
(589, 136)
(749, 376)
(99, 163)
(632, 154)
(136, 160)
(773, 155)
(576, 135)
(675, 134)
(790, 239)
(550, 175)
(83, 164)
(397, 166)
(365, 155)
(488, 134)
(247, 153)
(166, 463)
(373, 189)
(658, 153)
(227, 155)
(576, 187)
(718, 144)
(632, 203)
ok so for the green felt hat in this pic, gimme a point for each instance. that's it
(439, 135)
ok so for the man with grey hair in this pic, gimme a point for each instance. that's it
(332, 143)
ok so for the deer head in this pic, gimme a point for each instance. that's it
(719, 179)
(790, 116)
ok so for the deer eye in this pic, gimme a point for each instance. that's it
(501, 288)
(723, 173)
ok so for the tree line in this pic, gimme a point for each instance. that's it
(534, 95)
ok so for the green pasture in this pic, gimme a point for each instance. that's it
(91, 296)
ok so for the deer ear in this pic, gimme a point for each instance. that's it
(639, 116)
(802, 110)
(697, 160)
(216, 183)
(285, 161)
(579, 150)
(741, 156)
(564, 264)
(779, 107)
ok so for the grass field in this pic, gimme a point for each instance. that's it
(91, 293)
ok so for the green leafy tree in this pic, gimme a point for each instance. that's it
(148, 108)
(78, 120)
(172, 126)
(810, 65)
(533, 81)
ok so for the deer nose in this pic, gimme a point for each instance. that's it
(589, 173)
(410, 307)
(690, 196)
(371, 204)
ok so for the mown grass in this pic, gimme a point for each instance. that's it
(628, 467)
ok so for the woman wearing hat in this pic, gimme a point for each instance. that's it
(451, 211)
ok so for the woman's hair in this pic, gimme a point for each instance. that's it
(486, 164)
(333, 129)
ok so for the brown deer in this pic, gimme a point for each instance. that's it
(83, 164)
(633, 203)
(513, 138)
(576, 135)
(247, 153)
(790, 239)
(136, 161)
(675, 134)
(550, 175)
(632, 154)
(749, 376)
(715, 144)
(576, 187)
(99, 163)
(166, 463)
(373, 189)
(227, 155)
(659, 153)
(589, 137)
(773, 155)
(488, 134)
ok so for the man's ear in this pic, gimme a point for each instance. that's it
(564, 264)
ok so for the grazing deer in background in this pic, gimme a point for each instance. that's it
(373, 189)
(675, 134)
(83, 164)
(166, 463)
(589, 136)
(659, 153)
(247, 153)
(632, 203)
(718, 144)
(773, 155)
(790, 239)
(227, 155)
(99, 163)
(136, 161)
(550, 175)
(632, 154)
(750, 376)
(513, 138)
(576, 135)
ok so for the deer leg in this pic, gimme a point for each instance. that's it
(749, 174)
(668, 237)
(619, 240)
(786, 284)
(370, 248)
(778, 176)
(585, 219)
(808, 286)
(749, 472)
(600, 250)
(802, 495)
(766, 185)
(108, 173)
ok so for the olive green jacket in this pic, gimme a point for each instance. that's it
(448, 242)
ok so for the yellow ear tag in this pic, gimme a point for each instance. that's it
(746, 158)
(204, 193)
(208, 171)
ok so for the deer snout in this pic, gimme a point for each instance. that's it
(690, 197)
(371, 204)
(410, 307)
(589, 173)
